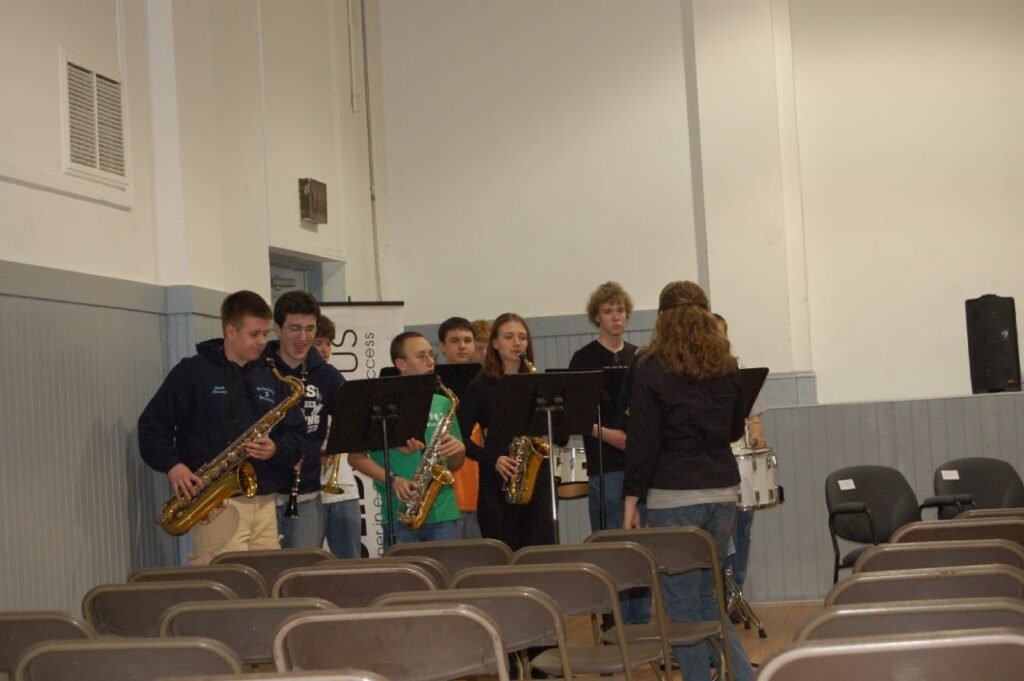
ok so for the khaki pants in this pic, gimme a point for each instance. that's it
(242, 525)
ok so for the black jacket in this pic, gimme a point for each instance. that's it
(680, 430)
(189, 420)
(322, 382)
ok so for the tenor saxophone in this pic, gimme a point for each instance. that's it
(432, 473)
(529, 453)
(229, 473)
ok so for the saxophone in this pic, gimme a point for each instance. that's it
(529, 453)
(432, 474)
(229, 473)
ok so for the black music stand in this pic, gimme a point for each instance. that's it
(546, 404)
(457, 376)
(753, 380)
(371, 413)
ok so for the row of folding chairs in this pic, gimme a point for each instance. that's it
(944, 601)
(519, 601)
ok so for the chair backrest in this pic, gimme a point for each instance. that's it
(437, 572)
(21, 630)
(456, 555)
(882, 619)
(340, 675)
(120, 659)
(1011, 529)
(525, 616)
(1015, 512)
(676, 549)
(976, 581)
(247, 627)
(915, 555)
(885, 492)
(945, 656)
(270, 563)
(577, 588)
(242, 579)
(993, 483)
(352, 587)
(408, 643)
(136, 609)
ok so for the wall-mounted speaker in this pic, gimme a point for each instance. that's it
(992, 344)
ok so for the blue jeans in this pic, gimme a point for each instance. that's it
(741, 541)
(636, 603)
(690, 596)
(443, 531)
(306, 531)
(343, 526)
(469, 526)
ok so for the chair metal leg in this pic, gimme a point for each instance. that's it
(738, 604)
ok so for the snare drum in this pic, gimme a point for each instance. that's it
(571, 472)
(758, 488)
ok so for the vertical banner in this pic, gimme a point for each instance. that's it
(361, 349)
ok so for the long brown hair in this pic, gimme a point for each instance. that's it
(493, 367)
(688, 340)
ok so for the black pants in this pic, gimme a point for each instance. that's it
(517, 526)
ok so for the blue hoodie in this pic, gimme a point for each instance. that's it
(322, 382)
(187, 421)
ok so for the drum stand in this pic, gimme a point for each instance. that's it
(739, 606)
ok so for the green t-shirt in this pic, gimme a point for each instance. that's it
(404, 466)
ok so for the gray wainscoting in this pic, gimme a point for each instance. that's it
(791, 556)
(79, 356)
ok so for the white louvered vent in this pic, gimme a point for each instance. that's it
(95, 121)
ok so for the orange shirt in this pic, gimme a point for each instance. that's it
(467, 478)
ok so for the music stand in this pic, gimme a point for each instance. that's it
(371, 413)
(457, 376)
(546, 404)
(753, 380)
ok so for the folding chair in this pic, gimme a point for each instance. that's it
(975, 581)
(866, 504)
(353, 586)
(118, 659)
(578, 589)
(912, 617)
(136, 609)
(1011, 529)
(20, 630)
(677, 550)
(242, 579)
(940, 554)
(525, 617)
(438, 572)
(247, 627)
(459, 554)
(270, 563)
(408, 643)
(995, 654)
(992, 483)
(630, 566)
(1015, 512)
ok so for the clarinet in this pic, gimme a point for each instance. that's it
(291, 509)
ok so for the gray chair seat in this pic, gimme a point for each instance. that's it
(679, 633)
(596, 659)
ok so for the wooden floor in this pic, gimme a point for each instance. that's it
(781, 621)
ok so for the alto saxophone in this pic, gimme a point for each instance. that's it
(529, 453)
(229, 473)
(432, 473)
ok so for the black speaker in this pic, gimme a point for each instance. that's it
(992, 344)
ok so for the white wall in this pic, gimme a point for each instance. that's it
(912, 171)
(229, 103)
(532, 150)
(48, 217)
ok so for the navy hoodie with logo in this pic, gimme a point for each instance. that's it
(322, 382)
(189, 420)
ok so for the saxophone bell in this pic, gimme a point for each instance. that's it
(529, 454)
